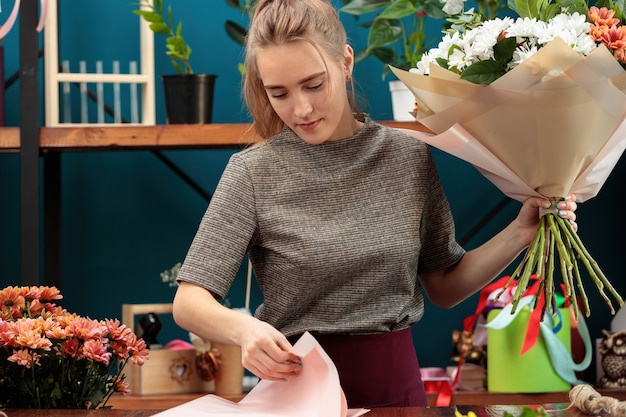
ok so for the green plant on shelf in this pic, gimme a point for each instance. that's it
(162, 22)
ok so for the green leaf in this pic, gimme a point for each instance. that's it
(526, 8)
(236, 32)
(398, 9)
(149, 15)
(549, 12)
(503, 50)
(234, 3)
(433, 9)
(443, 63)
(360, 7)
(385, 55)
(160, 27)
(383, 33)
(483, 72)
(361, 55)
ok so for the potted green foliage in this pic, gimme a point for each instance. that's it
(397, 29)
(188, 96)
(235, 30)
(397, 35)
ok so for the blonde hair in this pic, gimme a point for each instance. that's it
(279, 22)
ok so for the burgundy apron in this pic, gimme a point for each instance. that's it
(379, 370)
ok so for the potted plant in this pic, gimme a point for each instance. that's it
(236, 31)
(188, 96)
(398, 35)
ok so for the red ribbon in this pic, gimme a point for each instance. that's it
(534, 321)
(444, 390)
(532, 331)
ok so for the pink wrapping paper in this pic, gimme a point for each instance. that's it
(554, 125)
(315, 393)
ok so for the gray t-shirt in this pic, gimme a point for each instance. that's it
(337, 232)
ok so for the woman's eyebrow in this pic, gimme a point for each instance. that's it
(302, 81)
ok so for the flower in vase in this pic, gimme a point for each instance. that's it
(50, 358)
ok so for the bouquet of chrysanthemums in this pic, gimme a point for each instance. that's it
(50, 358)
(537, 104)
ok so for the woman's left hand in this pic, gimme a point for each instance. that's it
(529, 214)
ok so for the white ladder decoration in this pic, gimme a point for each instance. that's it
(53, 78)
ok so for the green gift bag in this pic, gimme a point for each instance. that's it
(546, 367)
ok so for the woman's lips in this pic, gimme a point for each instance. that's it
(308, 126)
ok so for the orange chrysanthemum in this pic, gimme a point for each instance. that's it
(24, 357)
(59, 346)
(13, 299)
(96, 351)
(602, 16)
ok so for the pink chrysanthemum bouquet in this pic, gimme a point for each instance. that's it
(50, 358)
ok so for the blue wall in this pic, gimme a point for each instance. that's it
(126, 217)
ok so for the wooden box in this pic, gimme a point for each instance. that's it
(166, 371)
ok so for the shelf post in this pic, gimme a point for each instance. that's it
(29, 144)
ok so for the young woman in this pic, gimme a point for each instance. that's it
(340, 216)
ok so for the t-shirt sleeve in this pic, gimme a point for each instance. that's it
(439, 246)
(225, 231)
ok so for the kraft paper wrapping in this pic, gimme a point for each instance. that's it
(554, 125)
(315, 393)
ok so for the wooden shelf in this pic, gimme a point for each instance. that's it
(103, 138)
(9, 139)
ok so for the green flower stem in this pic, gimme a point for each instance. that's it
(555, 236)
(34, 379)
(117, 378)
(594, 270)
(527, 271)
(583, 294)
(549, 274)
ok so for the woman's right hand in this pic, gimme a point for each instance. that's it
(267, 353)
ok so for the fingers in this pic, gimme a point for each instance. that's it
(268, 361)
(565, 209)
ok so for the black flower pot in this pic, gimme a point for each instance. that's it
(189, 98)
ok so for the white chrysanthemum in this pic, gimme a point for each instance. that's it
(462, 50)
(524, 28)
(485, 37)
(521, 54)
(458, 59)
(584, 44)
(564, 26)
(453, 7)
(575, 22)
(423, 66)
(448, 43)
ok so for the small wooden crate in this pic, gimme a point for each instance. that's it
(166, 371)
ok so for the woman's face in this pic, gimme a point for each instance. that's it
(310, 97)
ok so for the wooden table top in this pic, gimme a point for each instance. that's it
(556, 410)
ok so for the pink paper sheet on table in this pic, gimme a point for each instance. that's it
(315, 393)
